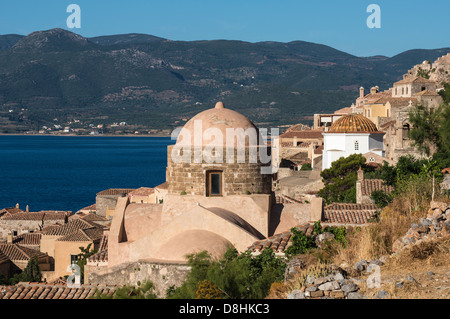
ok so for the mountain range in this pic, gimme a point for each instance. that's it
(58, 76)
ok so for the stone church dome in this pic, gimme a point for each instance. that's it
(353, 123)
(217, 119)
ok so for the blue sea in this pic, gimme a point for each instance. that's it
(65, 172)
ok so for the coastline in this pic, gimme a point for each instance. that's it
(88, 135)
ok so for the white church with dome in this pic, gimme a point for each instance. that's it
(351, 134)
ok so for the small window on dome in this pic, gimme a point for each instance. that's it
(356, 145)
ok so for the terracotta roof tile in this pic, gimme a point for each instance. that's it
(69, 228)
(368, 186)
(317, 134)
(28, 239)
(346, 213)
(17, 252)
(143, 191)
(116, 191)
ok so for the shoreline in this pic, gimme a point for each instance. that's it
(88, 135)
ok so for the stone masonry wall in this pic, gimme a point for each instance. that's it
(238, 178)
(163, 275)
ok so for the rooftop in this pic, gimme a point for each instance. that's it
(56, 291)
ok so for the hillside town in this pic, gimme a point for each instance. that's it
(129, 236)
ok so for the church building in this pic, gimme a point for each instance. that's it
(352, 134)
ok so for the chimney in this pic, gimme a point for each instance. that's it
(28, 209)
(358, 186)
(360, 174)
(361, 92)
(9, 238)
(17, 205)
(373, 90)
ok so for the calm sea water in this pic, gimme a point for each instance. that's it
(65, 172)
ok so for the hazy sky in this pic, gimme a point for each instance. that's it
(405, 24)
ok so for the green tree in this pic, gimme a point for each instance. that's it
(425, 131)
(31, 271)
(340, 179)
(141, 291)
(82, 259)
(236, 276)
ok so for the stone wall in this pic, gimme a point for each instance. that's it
(102, 202)
(163, 275)
(238, 178)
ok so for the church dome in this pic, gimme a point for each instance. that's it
(353, 123)
(204, 127)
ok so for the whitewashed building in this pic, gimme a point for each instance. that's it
(351, 134)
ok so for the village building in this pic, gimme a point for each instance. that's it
(105, 201)
(25, 222)
(19, 256)
(62, 243)
(297, 146)
(351, 134)
(366, 187)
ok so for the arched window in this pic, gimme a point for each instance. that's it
(356, 145)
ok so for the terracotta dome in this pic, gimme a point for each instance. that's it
(353, 123)
(212, 121)
(193, 241)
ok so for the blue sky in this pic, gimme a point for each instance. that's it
(341, 24)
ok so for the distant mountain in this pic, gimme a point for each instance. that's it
(125, 39)
(151, 81)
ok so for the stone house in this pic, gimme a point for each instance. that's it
(411, 85)
(62, 243)
(106, 200)
(365, 188)
(25, 222)
(19, 257)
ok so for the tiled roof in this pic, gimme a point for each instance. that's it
(58, 291)
(427, 93)
(298, 127)
(37, 216)
(28, 239)
(344, 110)
(90, 208)
(416, 79)
(387, 124)
(164, 185)
(368, 186)
(102, 255)
(116, 191)
(279, 242)
(352, 123)
(345, 213)
(318, 150)
(3, 258)
(86, 234)
(92, 217)
(143, 191)
(10, 210)
(24, 216)
(303, 134)
(397, 101)
(17, 252)
(69, 228)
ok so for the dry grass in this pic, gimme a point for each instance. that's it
(417, 261)
(376, 240)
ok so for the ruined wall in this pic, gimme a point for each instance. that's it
(163, 275)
